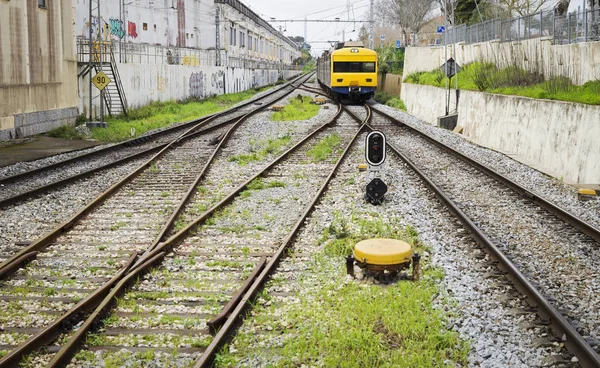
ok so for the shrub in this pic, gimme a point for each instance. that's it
(396, 103)
(81, 119)
(382, 97)
(66, 132)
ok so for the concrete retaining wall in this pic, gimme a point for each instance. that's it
(578, 61)
(145, 83)
(561, 139)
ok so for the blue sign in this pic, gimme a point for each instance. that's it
(398, 44)
(382, 37)
(441, 29)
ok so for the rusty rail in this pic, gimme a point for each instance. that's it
(229, 326)
(574, 342)
(159, 250)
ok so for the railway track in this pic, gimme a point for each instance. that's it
(207, 267)
(60, 283)
(18, 233)
(24, 185)
(547, 252)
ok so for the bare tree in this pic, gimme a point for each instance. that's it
(524, 7)
(408, 14)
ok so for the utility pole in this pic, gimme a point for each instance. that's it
(90, 64)
(372, 27)
(305, 31)
(218, 39)
(100, 46)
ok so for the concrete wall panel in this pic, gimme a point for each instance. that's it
(561, 139)
(145, 83)
(38, 71)
(578, 61)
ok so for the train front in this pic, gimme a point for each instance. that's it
(354, 73)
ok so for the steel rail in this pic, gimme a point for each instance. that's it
(66, 352)
(149, 258)
(49, 333)
(235, 315)
(222, 141)
(54, 330)
(568, 217)
(22, 196)
(45, 240)
(574, 342)
(142, 139)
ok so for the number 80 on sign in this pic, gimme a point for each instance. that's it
(100, 80)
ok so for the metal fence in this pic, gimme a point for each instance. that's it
(139, 53)
(579, 26)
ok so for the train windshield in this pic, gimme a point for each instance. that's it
(352, 67)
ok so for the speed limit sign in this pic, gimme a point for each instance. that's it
(100, 80)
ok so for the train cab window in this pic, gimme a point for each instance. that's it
(352, 67)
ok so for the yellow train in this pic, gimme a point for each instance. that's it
(349, 72)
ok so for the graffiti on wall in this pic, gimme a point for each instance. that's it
(258, 78)
(116, 28)
(197, 85)
(86, 27)
(191, 60)
(132, 30)
(217, 81)
(161, 84)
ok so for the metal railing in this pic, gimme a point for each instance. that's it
(578, 26)
(139, 53)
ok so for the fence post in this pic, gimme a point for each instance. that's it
(585, 22)
(568, 28)
(541, 23)
(518, 28)
(553, 29)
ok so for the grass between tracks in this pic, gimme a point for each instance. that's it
(157, 115)
(299, 108)
(341, 323)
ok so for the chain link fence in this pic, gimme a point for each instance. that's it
(581, 26)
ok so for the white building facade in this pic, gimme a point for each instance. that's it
(146, 30)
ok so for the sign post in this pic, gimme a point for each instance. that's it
(100, 80)
(375, 148)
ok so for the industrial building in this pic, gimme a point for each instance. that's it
(150, 50)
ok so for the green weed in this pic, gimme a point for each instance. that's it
(322, 150)
(486, 77)
(299, 108)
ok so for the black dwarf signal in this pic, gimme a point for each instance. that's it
(375, 148)
(375, 153)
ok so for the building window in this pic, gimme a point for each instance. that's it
(41, 3)
(249, 42)
(242, 39)
(145, 26)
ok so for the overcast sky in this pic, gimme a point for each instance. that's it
(324, 10)
(314, 9)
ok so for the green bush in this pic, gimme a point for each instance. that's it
(66, 132)
(382, 97)
(396, 103)
(81, 119)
